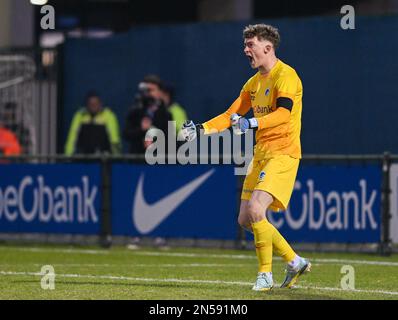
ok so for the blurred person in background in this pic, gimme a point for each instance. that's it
(94, 129)
(9, 144)
(148, 111)
(14, 123)
(178, 113)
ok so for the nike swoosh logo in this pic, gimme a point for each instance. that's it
(147, 217)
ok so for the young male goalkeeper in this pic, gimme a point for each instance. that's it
(274, 93)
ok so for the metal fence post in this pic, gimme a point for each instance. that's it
(385, 241)
(106, 223)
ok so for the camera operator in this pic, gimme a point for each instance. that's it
(147, 112)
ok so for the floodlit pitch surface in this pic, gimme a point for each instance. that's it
(148, 273)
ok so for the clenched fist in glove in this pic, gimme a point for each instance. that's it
(240, 125)
(189, 130)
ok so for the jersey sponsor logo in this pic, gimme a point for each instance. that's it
(267, 91)
(261, 176)
(262, 109)
(147, 217)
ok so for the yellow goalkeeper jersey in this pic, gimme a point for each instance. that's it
(276, 101)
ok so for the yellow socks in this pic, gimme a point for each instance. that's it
(263, 231)
(281, 246)
(267, 237)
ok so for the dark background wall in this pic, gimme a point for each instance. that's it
(349, 76)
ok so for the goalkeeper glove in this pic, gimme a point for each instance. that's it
(240, 125)
(189, 130)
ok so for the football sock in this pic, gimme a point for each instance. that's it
(281, 246)
(262, 231)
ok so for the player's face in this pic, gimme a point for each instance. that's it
(256, 51)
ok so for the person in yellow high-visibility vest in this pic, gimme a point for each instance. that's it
(178, 113)
(94, 129)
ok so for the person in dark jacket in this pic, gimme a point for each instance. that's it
(147, 112)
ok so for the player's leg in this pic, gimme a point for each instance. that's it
(247, 190)
(296, 265)
(262, 230)
(280, 245)
(251, 211)
(243, 218)
(278, 180)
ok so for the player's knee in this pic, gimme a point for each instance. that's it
(255, 210)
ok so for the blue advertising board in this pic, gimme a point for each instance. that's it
(338, 203)
(174, 201)
(333, 204)
(50, 198)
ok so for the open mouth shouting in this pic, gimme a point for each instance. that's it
(251, 60)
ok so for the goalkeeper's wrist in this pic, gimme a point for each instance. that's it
(198, 128)
(253, 123)
(205, 127)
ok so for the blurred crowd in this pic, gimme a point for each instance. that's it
(95, 128)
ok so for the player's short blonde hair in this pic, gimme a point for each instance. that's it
(263, 32)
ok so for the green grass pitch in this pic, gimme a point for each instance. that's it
(148, 273)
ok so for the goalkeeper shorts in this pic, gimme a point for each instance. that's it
(275, 175)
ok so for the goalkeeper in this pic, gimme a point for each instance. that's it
(275, 95)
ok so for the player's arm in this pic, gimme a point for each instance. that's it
(223, 121)
(240, 106)
(280, 116)
(286, 89)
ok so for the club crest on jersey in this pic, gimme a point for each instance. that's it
(261, 176)
(267, 91)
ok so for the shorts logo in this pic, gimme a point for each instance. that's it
(267, 91)
(261, 176)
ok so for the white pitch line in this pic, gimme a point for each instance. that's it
(72, 250)
(133, 265)
(232, 256)
(365, 262)
(204, 255)
(172, 280)
(194, 255)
